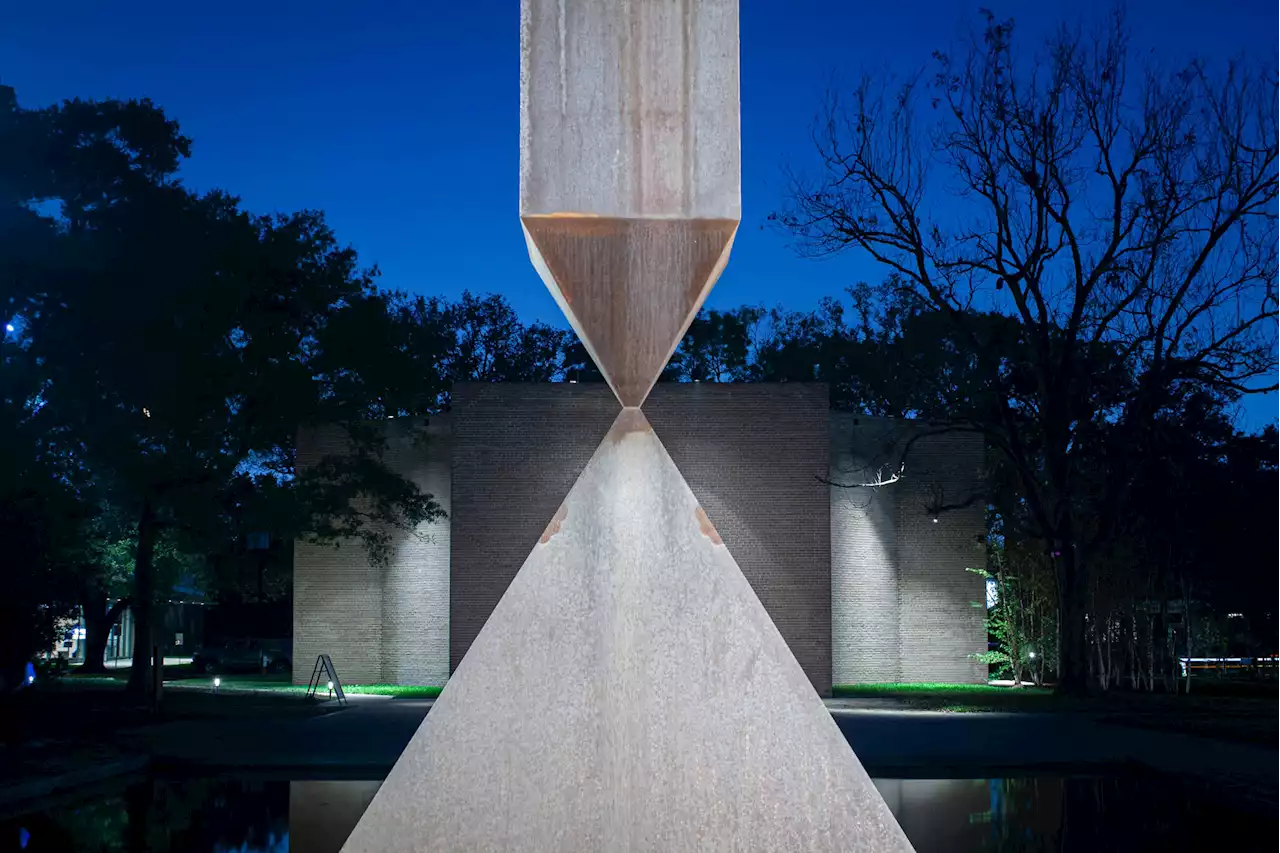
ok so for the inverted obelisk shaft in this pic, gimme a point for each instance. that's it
(629, 169)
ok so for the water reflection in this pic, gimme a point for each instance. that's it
(1056, 814)
(196, 815)
(1044, 813)
(322, 814)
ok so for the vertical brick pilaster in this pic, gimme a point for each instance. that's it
(902, 602)
(378, 623)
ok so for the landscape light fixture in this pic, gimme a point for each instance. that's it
(217, 682)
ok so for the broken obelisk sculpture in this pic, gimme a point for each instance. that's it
(629, 692)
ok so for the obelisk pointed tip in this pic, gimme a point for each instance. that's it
(629, 287)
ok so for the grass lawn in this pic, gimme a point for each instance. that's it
(1239, 712)
(955, 697)
(186, 678)
(280, 684)
(406, 690)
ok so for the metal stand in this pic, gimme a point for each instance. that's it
(324, 672)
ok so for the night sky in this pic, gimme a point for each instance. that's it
(399, 118)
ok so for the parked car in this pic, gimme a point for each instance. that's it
(244, 654)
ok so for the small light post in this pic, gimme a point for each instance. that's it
(217, 682)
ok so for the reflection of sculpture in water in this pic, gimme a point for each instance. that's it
(629, 691)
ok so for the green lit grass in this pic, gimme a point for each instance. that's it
(279, 684)
(956, 698)
(185, 678)
(401, 690)
(891, 689)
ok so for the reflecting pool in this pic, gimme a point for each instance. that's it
(1036, 813)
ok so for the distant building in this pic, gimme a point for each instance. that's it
(866, 584)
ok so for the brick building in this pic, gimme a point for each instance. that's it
(863, 583)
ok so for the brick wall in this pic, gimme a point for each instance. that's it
(901, 598)
(388, 623)
(864, 560)
(753, 455)
(517, 449)
(938, 624)
(862, 584)
(750, 453)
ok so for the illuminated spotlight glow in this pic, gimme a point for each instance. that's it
(217, 682)
(8, 327)
(330, 685)
(935, 520)
(1032, 655)
(31, 679)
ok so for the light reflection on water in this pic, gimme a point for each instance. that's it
(1042, 813)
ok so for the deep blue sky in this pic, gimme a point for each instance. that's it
(399, 118)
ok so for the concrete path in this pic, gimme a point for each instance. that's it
(364, 740)
(38, 775)
(909, 744)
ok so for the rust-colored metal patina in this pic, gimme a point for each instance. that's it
(630, 287)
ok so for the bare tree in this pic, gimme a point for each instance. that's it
(1109, 209)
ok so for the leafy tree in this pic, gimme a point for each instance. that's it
(182, 341)
(387, 355)
(718, 347)
(487, 342)
(103, 559)
(1114, 215)
(40, 514)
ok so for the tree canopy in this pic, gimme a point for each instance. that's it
(1113, 223)
(173, 343)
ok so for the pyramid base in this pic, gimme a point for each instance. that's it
(628, 693)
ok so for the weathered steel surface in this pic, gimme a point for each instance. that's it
(630, 287)
(629, 108)
(629, 169)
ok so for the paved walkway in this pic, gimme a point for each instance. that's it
(364, 740)
(43, 772)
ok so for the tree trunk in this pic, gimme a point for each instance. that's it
(143, 597)
(1073, 642)
(1110, 665)
(1186, 624)
(97, 627)
(1132, 652)
(1102, 674)
(1167, 668)
(1151, 654)
(1092, 655)
(1011, 626)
